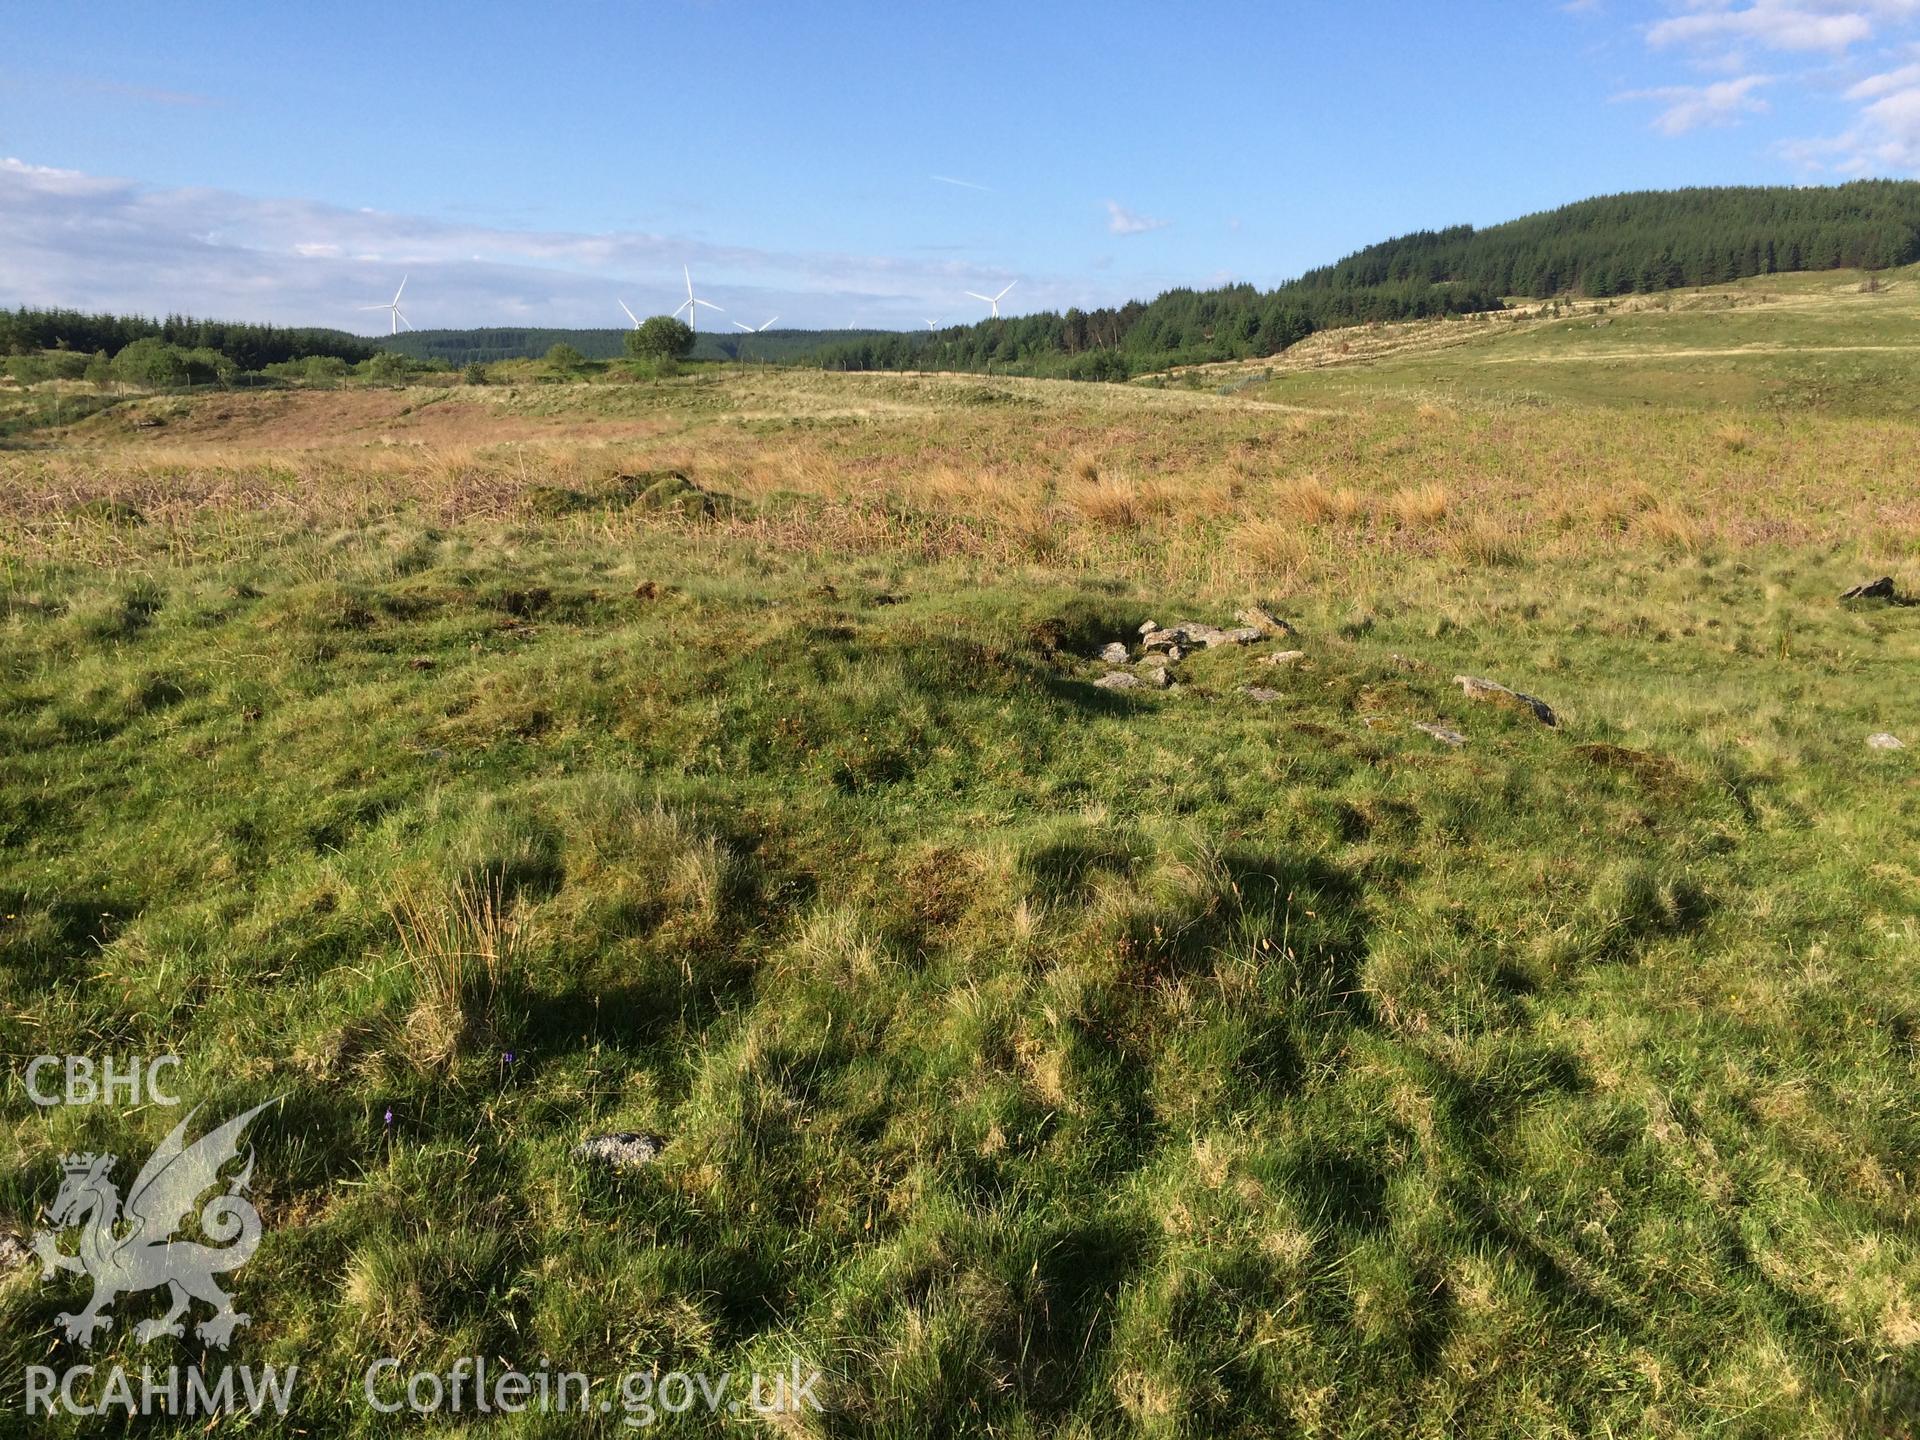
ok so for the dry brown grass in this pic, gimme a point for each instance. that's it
(1276, 548)
(1171, 487)
(458, 947)
(1306, 500)
(1486, 540)
(1419, 506)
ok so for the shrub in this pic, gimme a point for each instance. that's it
(152, 363)
(661, 338)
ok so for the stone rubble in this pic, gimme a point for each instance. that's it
(1494, 692)
(623, 1150)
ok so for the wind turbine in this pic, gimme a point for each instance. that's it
(753, 329)
(933, 325)
(630, 315)
(395, 318)
(690, 305)
(993, 300)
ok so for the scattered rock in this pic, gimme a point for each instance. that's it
(1881, 589)
(1114, 654)
(1884, 741)
(1148, 628)
(1159, 677)
(1118, 680)
(1284, 657)
(1441, 733)
(1158, 639)
(623, 1150)
(14, 1253)
(1265, 621)
(1259, 694)
(1498, 694)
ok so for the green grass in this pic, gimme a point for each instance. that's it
(1793, 342)
(1031, 1058)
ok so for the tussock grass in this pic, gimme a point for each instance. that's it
(459, 948)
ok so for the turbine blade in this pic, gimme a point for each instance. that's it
(689, 274)
(978, 296)
(630, 315)
(769, 322)
(708, 303)
(738, 326)
(1003, 294)
(403, 285)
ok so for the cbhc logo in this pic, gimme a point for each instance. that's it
(84, 1081)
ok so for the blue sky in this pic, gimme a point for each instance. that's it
(527, 164)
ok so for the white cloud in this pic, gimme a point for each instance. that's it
(1877, 85)
(1688, 107)
(1766, 22)
(1884, 133)
(1122, 221)
(95, 242)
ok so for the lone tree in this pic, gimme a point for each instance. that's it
(660, 338)
(565, 359)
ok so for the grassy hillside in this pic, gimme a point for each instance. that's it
(1842, 342)
(724, 758)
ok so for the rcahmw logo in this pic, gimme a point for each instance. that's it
(128, 1248)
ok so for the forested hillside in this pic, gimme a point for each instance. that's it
(1617, 244)
(251, 347)
(1652, 240)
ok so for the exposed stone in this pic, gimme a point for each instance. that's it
(1118, 680)
(1114, 654)
(1884, 741)
(1148, 628)
(14, 1252)
(623, 1150)
(1881, 589)
(1495, 693)
(1284, 657)
(1265, 621)
(1260, 694)
(1440, 733)
(1158, 639)
(1157, 676)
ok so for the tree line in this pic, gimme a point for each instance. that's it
(26, 331)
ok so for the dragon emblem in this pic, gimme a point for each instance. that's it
(125, 1250)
